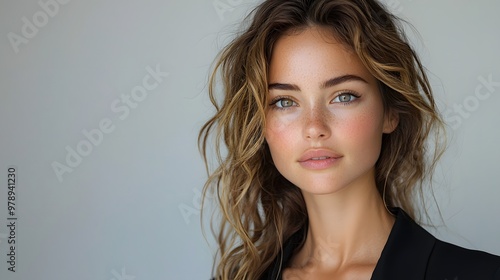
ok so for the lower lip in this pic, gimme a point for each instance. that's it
(319, 164)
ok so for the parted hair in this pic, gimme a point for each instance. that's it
(258, 208)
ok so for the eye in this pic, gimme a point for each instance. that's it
(345, 98)
(284, 103)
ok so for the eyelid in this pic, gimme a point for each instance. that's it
(275, 100)
(280, 97)
(344, 92)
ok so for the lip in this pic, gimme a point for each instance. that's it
(319, 159)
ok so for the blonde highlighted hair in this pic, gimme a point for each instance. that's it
(259, 207)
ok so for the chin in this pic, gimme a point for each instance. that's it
(321, 187)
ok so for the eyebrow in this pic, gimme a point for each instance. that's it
(329, 83)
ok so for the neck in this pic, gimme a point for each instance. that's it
(351, 225)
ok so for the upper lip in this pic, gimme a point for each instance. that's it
(318, 153)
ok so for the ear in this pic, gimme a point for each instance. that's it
(391, 121)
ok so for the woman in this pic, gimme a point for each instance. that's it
(325, 117)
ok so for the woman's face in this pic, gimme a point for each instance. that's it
(325, 118)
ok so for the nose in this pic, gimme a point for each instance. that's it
(317, 124)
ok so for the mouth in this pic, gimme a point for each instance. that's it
(318, 154)
(319, 159)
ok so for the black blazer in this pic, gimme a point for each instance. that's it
(412, 253)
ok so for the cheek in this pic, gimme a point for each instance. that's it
(363, 132)
(276, 132)
(279, 134)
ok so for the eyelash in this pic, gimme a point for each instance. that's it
(353, 94)
(279, 98)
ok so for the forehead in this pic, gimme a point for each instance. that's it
(314, 53)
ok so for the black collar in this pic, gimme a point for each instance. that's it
(406, 252)
(404, 256)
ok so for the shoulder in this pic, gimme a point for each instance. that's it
(447, 259)
(413, 253)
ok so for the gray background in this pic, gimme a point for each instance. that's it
(129, 208)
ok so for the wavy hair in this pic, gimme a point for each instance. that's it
(259, 208)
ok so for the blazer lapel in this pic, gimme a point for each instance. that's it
(281, 261)
(406, 252)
